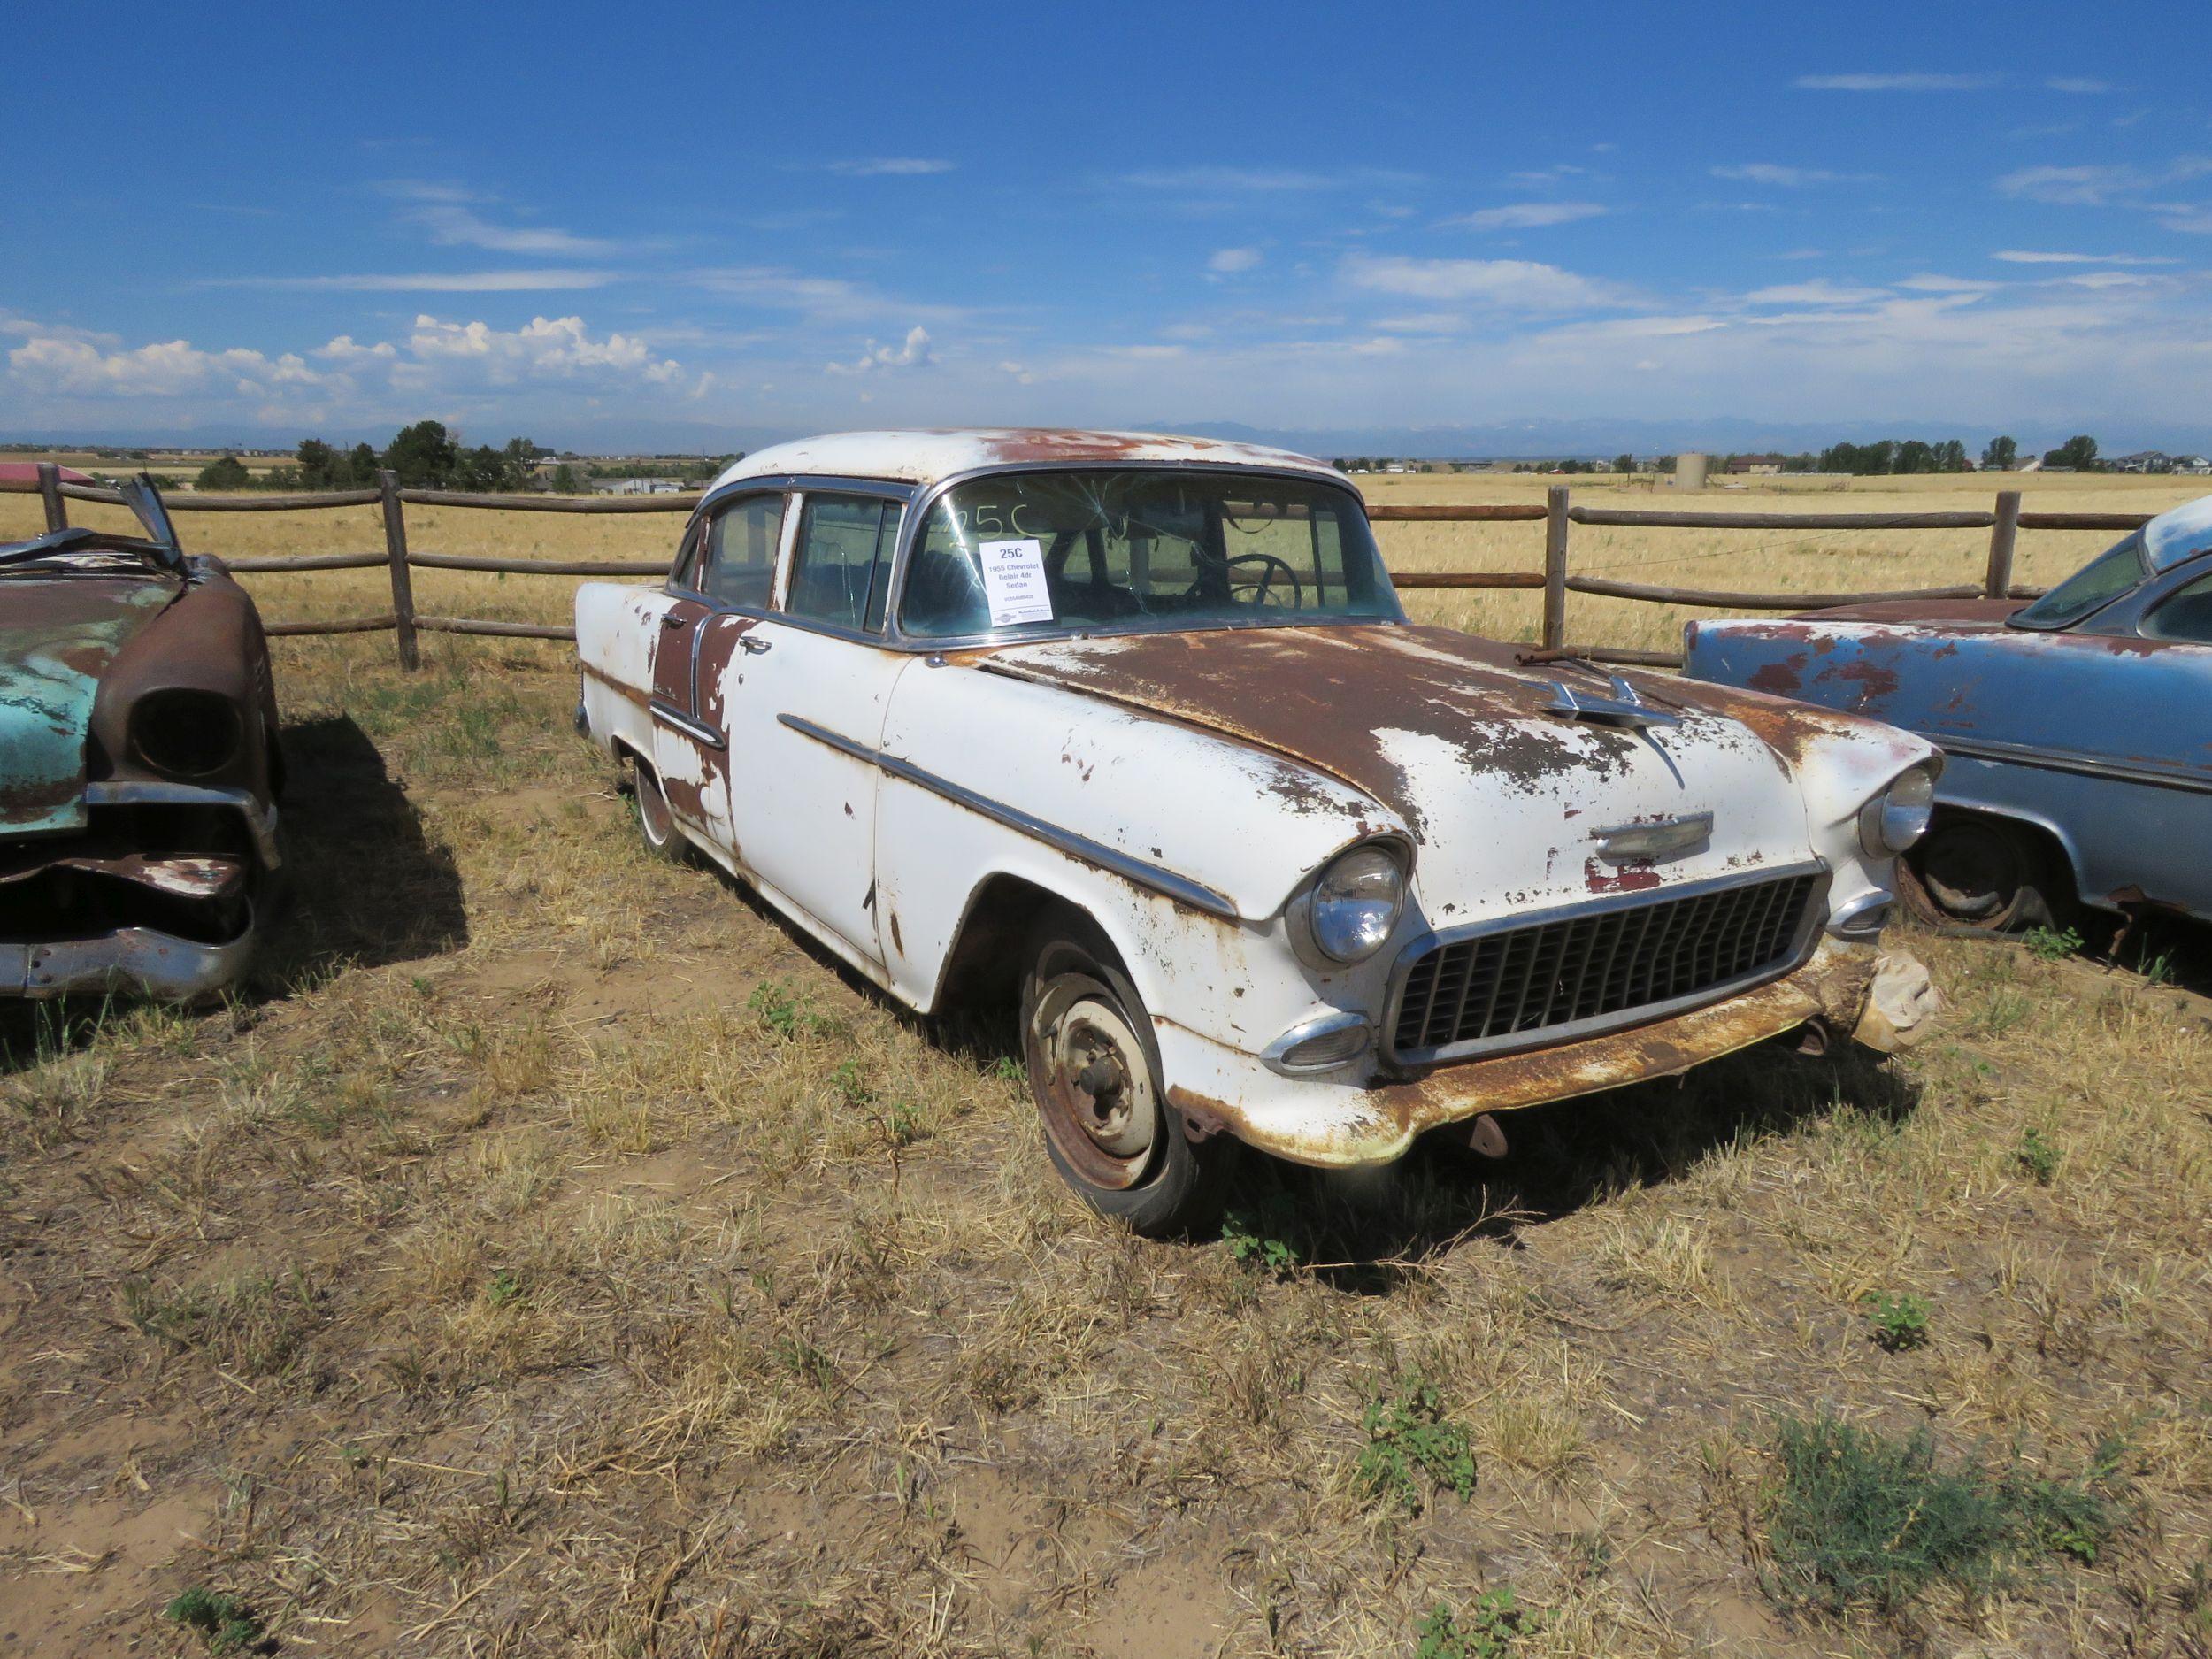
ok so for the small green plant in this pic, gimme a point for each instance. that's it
(785, 1015)
(2050, 944)
(504, 1287)
(1008, 1069)
(807, 1362)
(2158, 969)
(1408, 1437)
(851, 1086)
(1490, 1629)
(1899, 1322)
(222, 1621)
(2037, 1157)
(904, 1124)
(1857, 1519)
(1263, 1236)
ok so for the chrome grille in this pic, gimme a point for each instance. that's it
(1605, 966)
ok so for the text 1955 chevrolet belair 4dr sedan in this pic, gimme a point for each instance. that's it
(138, 765)
(1137, 725)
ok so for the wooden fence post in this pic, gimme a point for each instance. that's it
(1556, 567)
(403, 581)
(49, 492)
(2003, 536)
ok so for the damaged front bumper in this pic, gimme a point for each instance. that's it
(160, 896)
(1882, 1000)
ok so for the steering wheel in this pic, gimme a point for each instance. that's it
(1261, 584)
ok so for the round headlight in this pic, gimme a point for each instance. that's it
(185, 734)
(1898, 817)
(1355, 903)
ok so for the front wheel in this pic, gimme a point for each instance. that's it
(656, 819)
(1095, 1073)
(1976, 871)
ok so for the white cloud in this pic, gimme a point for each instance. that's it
(1913, 82)
(1815, 292)
(1422, 323)
(2072, 187)
(888, 167)
(2026, 256)
(1258, 179)
(1527, 215)
(69, 362)
(1928, 283)
(557, 347)
(1228, 261)
(458, 227)
(1020, 374)
(2192, 218)
(1789, 178)
(914, 354)
(430, 282)
(1508, 284)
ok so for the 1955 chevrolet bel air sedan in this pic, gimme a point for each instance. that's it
(1135, 727)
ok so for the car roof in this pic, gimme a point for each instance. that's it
(2176, 533)
(927, 457)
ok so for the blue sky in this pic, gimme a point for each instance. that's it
(601, 226)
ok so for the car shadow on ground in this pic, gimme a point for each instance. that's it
(363, 885)
(1370, 1230)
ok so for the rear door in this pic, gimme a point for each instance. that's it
(724, 582)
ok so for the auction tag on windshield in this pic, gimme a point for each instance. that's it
(1014, 581)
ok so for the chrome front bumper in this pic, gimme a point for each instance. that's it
(130, 961)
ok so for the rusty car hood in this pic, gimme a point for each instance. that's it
(1944, 614)
(1451, 733)
(58, 633)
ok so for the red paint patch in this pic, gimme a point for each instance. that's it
(1630, 878)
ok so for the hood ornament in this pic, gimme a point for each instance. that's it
(1622, 708)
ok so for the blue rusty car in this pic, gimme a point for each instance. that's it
(2078, 728)
(138, 765)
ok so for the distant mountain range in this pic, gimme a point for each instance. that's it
(1520, 440)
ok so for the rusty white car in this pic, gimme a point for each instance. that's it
(1135, 729)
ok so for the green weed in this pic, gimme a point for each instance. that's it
(2037, 1157)
(223, 1622)
(2050, 944)
(1264, 1236)
(788, 1016)
(1491, 1629)
(1898, 1322)
(1407, 1437)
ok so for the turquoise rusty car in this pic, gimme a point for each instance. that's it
(2078, 729)
(139, 767)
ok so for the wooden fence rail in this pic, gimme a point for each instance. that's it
(1556, 579)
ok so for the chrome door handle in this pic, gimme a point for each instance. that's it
(754, 644)
(673, 619)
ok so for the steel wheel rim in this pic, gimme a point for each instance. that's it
(1093, 1083)
(654, 814)
(1971, 874)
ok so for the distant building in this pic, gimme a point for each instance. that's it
(2194, 465)
(2143, 461)
(1765, 465)
(638, 486)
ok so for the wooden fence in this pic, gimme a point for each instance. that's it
(1556, 578)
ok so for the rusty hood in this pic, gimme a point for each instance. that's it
(1454, 737)
(58, 633)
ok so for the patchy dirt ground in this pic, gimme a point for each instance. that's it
(554, 1255)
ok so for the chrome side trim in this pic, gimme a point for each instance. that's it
(2158, 774)
(668, 714)
(1151, 877)
(262, 821)
(1805, 942)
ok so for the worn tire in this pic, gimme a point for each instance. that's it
(657, 826)
(1978, 871)
(1076, 1002)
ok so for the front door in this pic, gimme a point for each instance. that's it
(805, 810)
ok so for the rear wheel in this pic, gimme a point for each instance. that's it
(1094, 1073)
(1974, 871)
(656, 818)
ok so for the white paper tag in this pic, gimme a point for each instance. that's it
(1014, 581)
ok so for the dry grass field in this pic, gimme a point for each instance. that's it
(551, 1254)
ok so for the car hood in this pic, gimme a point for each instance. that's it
(1506, 800)
(57, 635)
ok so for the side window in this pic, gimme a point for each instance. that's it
(2186, 615)
(740, 552)
(840, 571)
(685, 572)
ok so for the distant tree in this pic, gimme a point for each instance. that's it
(227, 473)
(1664, 463)
(318, 464)
(566, 482)
(521, 454)
(2079, 452)
(425, 456)
(1623, 464)
(2001, 455)
(1913, 455)
(1950, 457)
